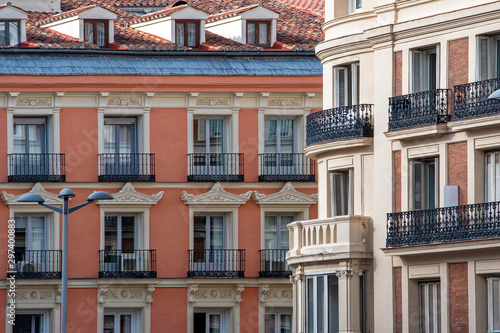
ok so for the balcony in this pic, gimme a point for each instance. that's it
(227, 263)
(419, 109)
(450, 224)
(139, 167)
(38, 264)
(275, 167)
(471, 99)
(47, 167)
(211, 167)
(335, 238)
(344, 122)
(127, 263)
(273, 264)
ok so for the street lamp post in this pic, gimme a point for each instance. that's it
(65, 194)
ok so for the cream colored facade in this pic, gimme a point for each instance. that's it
(377, 46)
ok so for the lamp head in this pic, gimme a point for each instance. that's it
(31, 197)
(100, 195)
(66, 192)
(495, 95)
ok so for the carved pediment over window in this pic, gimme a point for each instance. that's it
(203, 295)
(216, 196)
(46, 296)
(139, 295)
(287, 195)
(50, 198)
(129, 196)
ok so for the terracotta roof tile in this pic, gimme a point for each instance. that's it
(297, 29)
(230, 13)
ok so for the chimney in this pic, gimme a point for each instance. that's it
(38, 5)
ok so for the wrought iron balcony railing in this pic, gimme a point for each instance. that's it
(47, 167)
(273, 264)
(228, 263)
(471, 99)
(419, 109)
(127, 263)
(138, 167)
(274, 167)
(38, 264)
(458, 223)
(344, 122)
(211, 167)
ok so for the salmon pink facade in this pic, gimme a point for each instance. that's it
(196, 133)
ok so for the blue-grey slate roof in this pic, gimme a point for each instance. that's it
(81, 64)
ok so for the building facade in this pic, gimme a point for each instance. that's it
(407, 148)
(192, 115)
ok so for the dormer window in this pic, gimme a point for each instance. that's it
(187, 33)
(10, 32)
(96, 32)
(258, 33)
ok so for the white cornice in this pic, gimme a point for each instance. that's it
(286, 196)
(129, 196)
(216, 196)
(50, 198)
(313, 151)
(415, 132)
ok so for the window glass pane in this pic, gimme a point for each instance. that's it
(192, 34)
(200, 232)
(125, 139)
(310, 306)
(285, 220)
(179, 37)
(417, 186)
(342, 87)
(286, 323)
(21, 236)
(271, 232)
(359, 3)
(111, 233)
(251, 33)
(432, 58)
(416, 71)
(214, 324)
(35, 139)
(126, 324)
(19, 139)
(109, 324)
(483, 66)
(333, 304)
(431, 181)
(216, 130)
(270, 323)
(109, 139)
(286, 131)
(3, 33)
(270, 139)
(199, 140)
(89, 32)
(263, 34)
(37, 233)
(498, 57)
(101, 34)
(28, 323)
(128, 232)
(199, 323)
(14, 33)
(496, 304)
(320, 305)
(497, 176)
(217, 233)
(487, 178)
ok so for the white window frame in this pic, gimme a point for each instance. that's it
(142, 223)
(278, 215)
(278, 130)
(28, 227)
(424, 65)
(350, 195)
(134, 313)
(425, 307)
(424, 186)
(491, 183)
(46, 319)
(227, 228)
(277, 319)
(351, 72)
(224, 318)
(355, 6)
(492, 56)
(493, 302)
(138, 229)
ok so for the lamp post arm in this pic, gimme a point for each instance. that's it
(55, 209)
(72, 209)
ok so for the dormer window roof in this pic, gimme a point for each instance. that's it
(253, 24)
(180, 23)
(12, 25)
(91, 24)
